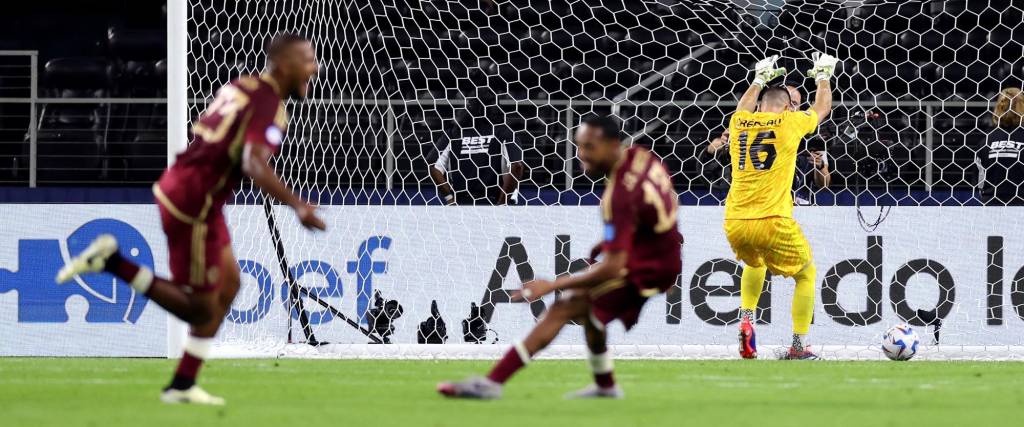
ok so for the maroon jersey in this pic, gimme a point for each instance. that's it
(245, 111)
(639, 209)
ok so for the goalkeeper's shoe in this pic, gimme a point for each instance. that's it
(748, 341)
(193, 395)
(92, 260)
(472, 388)
(594, 391)
(793, 354)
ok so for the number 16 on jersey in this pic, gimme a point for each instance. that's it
(764, 142)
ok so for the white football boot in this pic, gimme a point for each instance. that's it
(593, 391)
(91, 260)
(193, 395)
(472, 388)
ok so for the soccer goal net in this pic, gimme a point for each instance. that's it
(900, 192)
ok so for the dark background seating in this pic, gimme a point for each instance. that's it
(955, 54)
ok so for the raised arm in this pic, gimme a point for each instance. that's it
(748, 102)
(441, 181)
(764, 71)
(718, 144)
(510, 180)
(256, 165)
(823, 100)
(822, 176)
(824, 67)
(512, 167)
(439, 171)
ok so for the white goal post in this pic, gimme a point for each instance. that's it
(902, 232)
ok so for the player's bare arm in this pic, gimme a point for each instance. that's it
(510, 180)
(823, 100)
(748, 102)
(822, 175)
(718, 143)
(611, 267)
(764, 71)
(441, 181)
(824, 67)
(256, 165)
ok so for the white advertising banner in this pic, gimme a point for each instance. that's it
(955, 269)
(93, 316)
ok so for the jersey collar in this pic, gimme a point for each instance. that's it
(622, 158)
(272, 82)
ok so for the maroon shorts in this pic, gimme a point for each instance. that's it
(194, 248)
(621, 301)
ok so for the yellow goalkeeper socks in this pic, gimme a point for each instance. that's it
(751, 285)
(803, 298)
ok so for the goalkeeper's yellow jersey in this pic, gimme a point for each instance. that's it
(763, 148)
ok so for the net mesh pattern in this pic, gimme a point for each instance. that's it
(913, 102)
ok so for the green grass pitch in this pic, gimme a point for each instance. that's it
(286, 393)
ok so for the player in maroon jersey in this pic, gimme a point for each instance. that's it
(642, 258)
(235, 137)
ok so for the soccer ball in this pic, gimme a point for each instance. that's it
(900, 342)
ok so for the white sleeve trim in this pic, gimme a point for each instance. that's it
(506, 165)
(442, 159)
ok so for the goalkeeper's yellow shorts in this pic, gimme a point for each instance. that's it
(776, 242)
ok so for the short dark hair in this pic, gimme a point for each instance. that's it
(282, 41)
(776, 93)
(610, 126)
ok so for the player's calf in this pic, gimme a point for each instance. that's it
(600, 362)
(560, 313)
(199, 342)
(197, 350)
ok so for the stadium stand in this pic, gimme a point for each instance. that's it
(92, 54)
(547, 51)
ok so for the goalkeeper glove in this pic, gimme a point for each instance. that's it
(765, 70)
(824, 66)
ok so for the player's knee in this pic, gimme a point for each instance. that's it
(557, 310)
(232, 275)
(805, 279)
(202, 311)
(563, 310)
(199, 316)
(809, 271)
(231, 282)
(763, 268)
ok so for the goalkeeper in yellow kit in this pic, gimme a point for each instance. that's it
(764, 138)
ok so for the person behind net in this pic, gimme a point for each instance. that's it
(812, 166)
(764, 140)
(1000, 161)
(480, 163)
(234, 138)
(641, 258)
